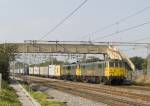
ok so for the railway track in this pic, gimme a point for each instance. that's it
(105, 94)
(137, 88)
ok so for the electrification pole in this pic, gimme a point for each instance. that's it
(148, 59)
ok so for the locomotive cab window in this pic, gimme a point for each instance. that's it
(111, 64)
(120, 64)
(116, 64)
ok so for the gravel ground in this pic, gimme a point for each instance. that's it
(71, 100)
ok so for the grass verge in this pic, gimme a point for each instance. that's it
(8, 96)
(42, 97)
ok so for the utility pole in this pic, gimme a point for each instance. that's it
(148, 59)
(84, 58)
(13, 69)
(24, 61)
(52, 59)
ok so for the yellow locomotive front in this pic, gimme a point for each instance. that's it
(115, 71)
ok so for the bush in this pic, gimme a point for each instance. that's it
(8, 96)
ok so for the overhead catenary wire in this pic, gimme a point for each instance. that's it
(61, 43)
(133, 49)
(123, 30)
(63, 20)
(117, 22)
(137, 40)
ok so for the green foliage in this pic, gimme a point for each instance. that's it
(19, 65)
(8, 96)
(43, 99)
(138, 62)
(46, 63)
(144, 65)
(7, 54)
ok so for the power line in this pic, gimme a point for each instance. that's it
(124, 30)
(134, 14)
(106, 27)
(118, 22)
(62, 21)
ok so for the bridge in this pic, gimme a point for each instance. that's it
(108, 51)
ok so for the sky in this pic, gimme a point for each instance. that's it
(31, 19)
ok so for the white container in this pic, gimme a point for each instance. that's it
(21, 71)
(36, 70)
(44, 71)
(31, 72)
(16, 71)
(11, 71)
(51, 70)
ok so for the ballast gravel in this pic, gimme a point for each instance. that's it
(67, 98)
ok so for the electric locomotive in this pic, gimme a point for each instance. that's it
(108, 72)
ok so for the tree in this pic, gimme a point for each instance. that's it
(144, 65)
(46, 63)
(7, 54)
(137, 61)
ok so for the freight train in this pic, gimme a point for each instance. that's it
(108, 72)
